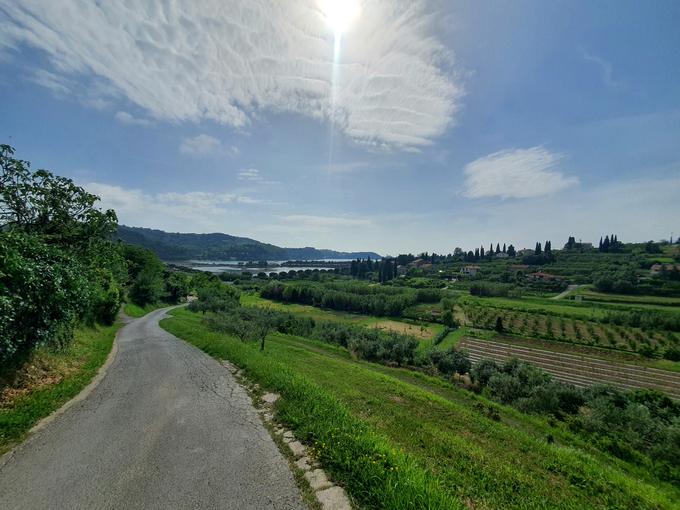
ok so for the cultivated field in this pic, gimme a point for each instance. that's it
(579, 370)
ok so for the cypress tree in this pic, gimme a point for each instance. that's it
(504, 248)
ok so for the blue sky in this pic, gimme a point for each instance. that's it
(441, 124)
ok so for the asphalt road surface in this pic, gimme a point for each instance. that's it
(167, 427)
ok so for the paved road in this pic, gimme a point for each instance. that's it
(167, 427)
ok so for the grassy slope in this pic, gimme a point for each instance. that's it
(61, 377)
(136, 311)
(475, 460)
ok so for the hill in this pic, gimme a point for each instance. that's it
(185, 246)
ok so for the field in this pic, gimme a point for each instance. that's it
(421, 330)
(536, 325)
(437, 446)
(577, 368)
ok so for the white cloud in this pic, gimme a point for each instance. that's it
(516, 173)
(249, 174)
(128, 118)
(230, 62)
(58, 84)
(606, 69)
(206, 145)
(200, 145)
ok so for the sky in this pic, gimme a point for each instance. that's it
(385, 125)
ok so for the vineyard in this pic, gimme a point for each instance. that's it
(577, 369)
(566, 329)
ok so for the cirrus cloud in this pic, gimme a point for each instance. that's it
(190, 61)
(516, 173)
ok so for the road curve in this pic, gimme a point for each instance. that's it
(167, 427)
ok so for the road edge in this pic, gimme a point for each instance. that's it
(82, 395)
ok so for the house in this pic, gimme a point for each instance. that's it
(501, 255)
(541, 276)
(470, 271)
(525, 252)
(419, 263)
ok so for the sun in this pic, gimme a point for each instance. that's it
(339, 14)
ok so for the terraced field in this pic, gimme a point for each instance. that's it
(579, 370)
(565, 329)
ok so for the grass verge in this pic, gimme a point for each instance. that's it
(50, 379)
(136, 311)
(395, 441)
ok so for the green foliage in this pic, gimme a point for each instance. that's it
(351, 297)
(639, 426)
(43, 293)
(450, 361)
(215, 296)
(58, 266)
(52, 207)
(178, 286)
(487, 289)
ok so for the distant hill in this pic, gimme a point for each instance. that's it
(176, 246)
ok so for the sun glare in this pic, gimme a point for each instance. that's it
(339, 14)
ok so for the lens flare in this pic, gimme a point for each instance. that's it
(339, 14)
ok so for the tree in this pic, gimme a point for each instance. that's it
(178, 285)
(652, 247)
(498, 248)
(499, 324)
(43, 293)
(481, 252)
(50, 206)
(148, 286)
(511, 251)
(537, 249)
(215, 296)
(448, 318)
(504, 248)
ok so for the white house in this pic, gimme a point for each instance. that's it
(470, 271)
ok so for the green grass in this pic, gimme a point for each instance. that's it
(645, 302)
(399, 439)
(136, 311)
(74, 367)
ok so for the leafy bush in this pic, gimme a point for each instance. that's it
(43, 293)
(451, 361)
